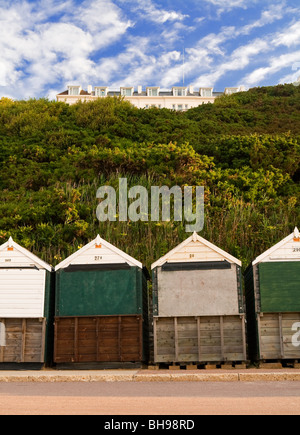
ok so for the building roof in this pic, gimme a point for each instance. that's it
(82, 92)
(165, 93)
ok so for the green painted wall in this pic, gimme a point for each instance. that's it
(280, 286)
(99, 292)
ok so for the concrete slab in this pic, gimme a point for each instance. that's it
(218, 375)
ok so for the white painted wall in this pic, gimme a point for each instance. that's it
(15, 258)
(195, 251)
(101, 255)
(170, 102)
(22, 293)
(290, 251)
(141, 102)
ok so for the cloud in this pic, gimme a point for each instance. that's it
(46, 45)
(207, 62)
(268, 16)
(39, 51)
(275, 65)
(216, 62)
(228, 5)
(149, 11)
(238, 60)
(103, 19)
(289, 37)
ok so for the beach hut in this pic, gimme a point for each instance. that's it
(198, 305)
(101, 312)
(272, 284)
(26, 307)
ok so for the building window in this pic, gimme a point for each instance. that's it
(180, 107)
(174, 106)
(100, 92)
(152, 92)
(186, 107)
(179, 92)
(74, 90)
(126, 92)
(206, 92)
(230, 91)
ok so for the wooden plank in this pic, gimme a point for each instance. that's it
(43, 340)
(2, 347)
(187, 339)
(222, 338)
(119, 338)
(155, 338)
(280, 335)
(176, 338)
(269, 336)
(140, 338)
(258, 318)
(199, 337)
(97, 340)
(22, 356)
(76, 353)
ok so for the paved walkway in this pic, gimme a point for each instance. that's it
(142, 375)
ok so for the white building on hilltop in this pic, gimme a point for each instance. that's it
(179, 98)
(297, 83)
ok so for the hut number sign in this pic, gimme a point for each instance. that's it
(98, 257)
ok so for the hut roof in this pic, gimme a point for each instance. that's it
(98, 247)
(193, 240)
(20, 257)
(283, 250)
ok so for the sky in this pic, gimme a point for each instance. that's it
(46, 45)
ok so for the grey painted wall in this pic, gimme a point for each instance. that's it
(198, 292)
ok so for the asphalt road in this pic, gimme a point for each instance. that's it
(147, 398)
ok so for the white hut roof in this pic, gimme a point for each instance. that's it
(14, 255)
(195, 248)
(287, 249)
(98, 251)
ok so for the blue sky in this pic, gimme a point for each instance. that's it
(46, 45)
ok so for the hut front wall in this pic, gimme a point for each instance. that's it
(198, 292)
(279, 336)
(98, 339)
(199, 339)
(279, 286)
(22, 340)
(99, 292)
(22, 292)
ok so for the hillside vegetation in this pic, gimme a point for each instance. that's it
(244, 149)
